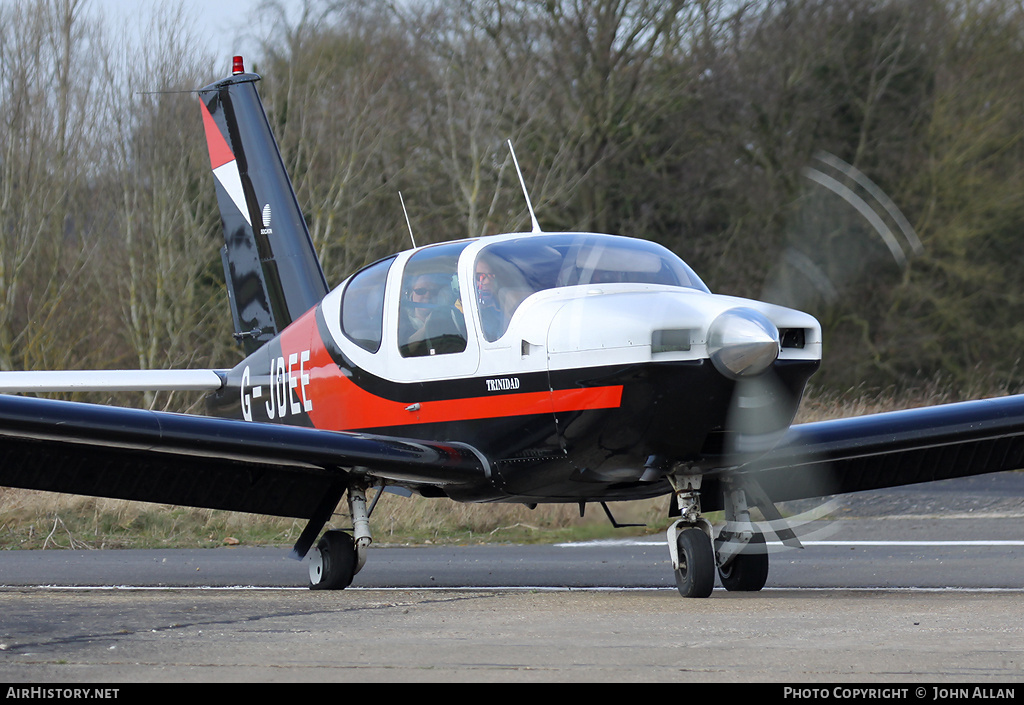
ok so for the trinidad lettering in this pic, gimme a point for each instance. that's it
(502, 384)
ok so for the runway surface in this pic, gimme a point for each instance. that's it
(916, 585)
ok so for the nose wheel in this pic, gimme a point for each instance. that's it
(695, 563)
(689, 539)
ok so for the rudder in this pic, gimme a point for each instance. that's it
(271, 268)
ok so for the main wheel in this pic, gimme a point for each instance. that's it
(747, 572)
(333, 563)
(695, 576)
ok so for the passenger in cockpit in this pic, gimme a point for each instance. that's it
(492, 320)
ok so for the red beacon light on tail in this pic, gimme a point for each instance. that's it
(236, 66)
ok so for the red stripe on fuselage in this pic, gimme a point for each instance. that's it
(341, 405)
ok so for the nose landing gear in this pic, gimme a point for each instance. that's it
(739, 553)
(694, 563)
(689, 540)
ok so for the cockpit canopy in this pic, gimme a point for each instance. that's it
(433, 306)
(508, 271)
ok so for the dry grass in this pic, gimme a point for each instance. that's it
(823, 405)
(43, 520)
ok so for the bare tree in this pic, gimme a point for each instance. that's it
(333, 94)
(48, 138)
(163, 275)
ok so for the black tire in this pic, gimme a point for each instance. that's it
(337, 562)
(695, 576)
(747, 572)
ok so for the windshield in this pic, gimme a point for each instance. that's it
(505, 273)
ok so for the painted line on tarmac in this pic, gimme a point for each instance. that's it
(661, 542)
(1012, 542)
(497, 588)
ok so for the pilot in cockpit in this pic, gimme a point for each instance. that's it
(418, 303)
(430, 323)
(420, 297)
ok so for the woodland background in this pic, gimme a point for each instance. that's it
(688, 123)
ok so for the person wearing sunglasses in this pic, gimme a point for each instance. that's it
(418, 303)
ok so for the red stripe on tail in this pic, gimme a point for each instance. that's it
(220, 153)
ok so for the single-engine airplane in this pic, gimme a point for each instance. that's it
(527, 367)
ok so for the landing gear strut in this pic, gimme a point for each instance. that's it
(739, 552)
(742, 555)
(689, 540)
(336, 559)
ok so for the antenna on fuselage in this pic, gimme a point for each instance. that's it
(522, 183)
(407, 223)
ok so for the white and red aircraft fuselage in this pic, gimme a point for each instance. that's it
(584, 389)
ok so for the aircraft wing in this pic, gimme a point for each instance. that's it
(895, 448)
(199, 461)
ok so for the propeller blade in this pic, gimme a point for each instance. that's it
(841, 227)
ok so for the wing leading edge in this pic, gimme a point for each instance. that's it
(895, 448)
(111, 380)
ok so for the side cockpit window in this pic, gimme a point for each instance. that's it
(430, 315)
(362, 306)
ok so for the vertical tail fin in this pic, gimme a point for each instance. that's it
(272, 271)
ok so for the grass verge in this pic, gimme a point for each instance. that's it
(43, 520)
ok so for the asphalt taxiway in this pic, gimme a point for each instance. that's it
(916, 585)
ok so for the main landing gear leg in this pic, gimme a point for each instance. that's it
(741, 551)
(336, 559)
(689, 540)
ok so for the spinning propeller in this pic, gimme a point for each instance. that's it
(844, 226)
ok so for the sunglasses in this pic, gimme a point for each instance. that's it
(481, 277)
(424, 291)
